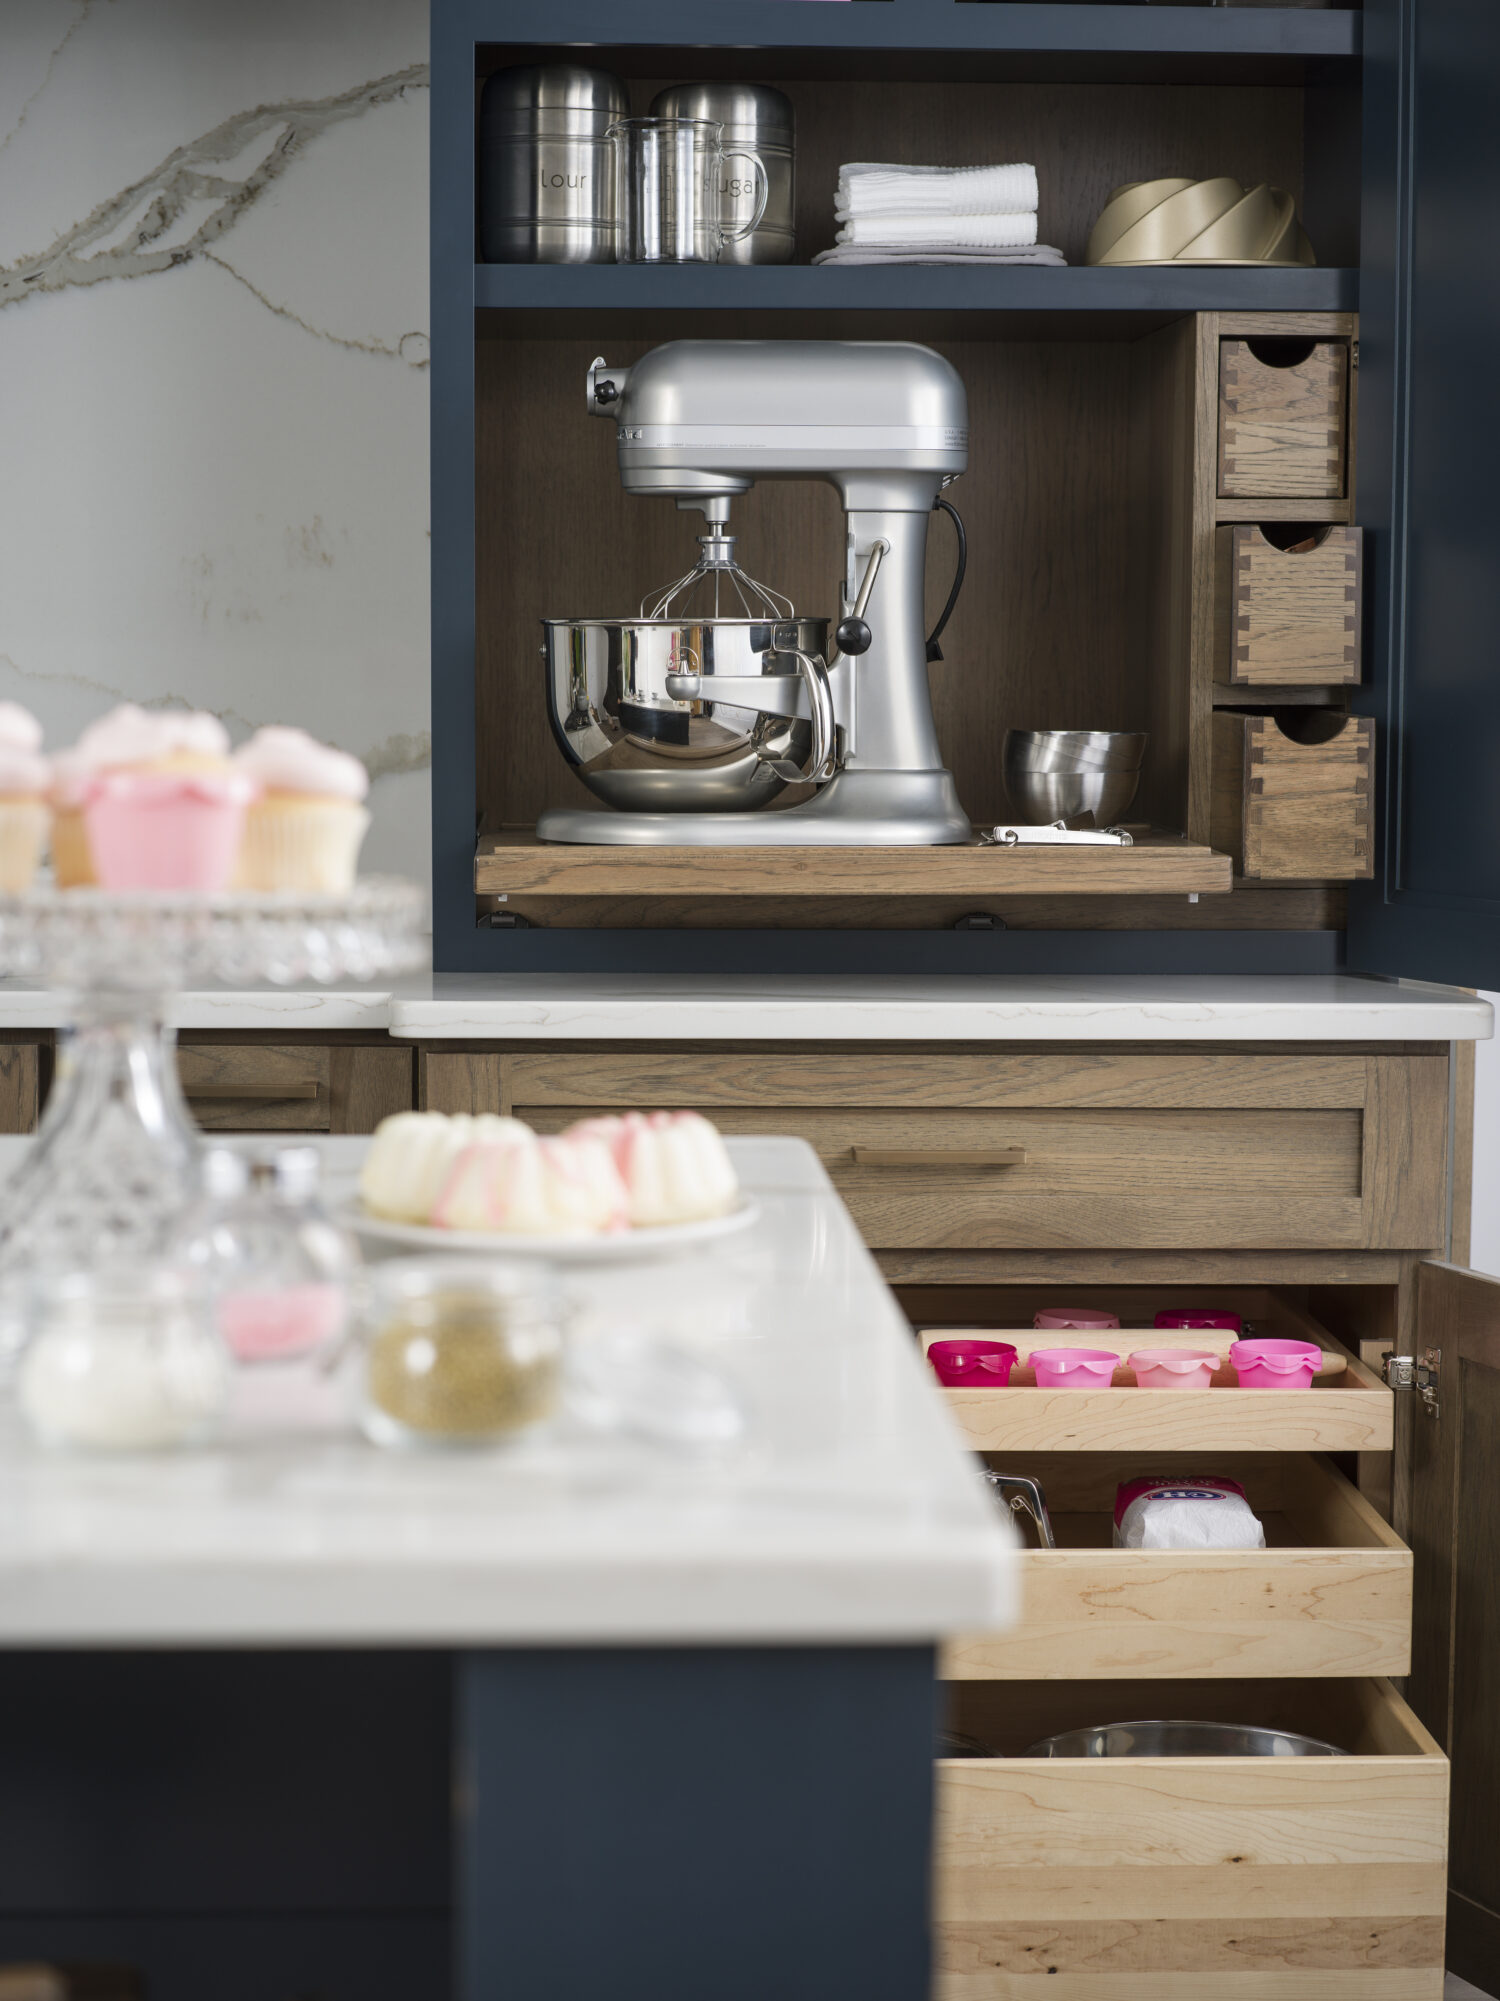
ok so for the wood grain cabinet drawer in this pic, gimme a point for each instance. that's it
(1283, 418)
(1331, 1594)
(1289, 806)
(1177, 1879)
(1286, 617)
(1044, 1149)
(253, 1087)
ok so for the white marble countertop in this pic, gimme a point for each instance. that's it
(1021, 1008)
(851, 1514)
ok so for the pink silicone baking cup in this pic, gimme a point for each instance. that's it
(1275, 1365)
(1085, 1318)
(1199, 1316)
(1074, 1368)
(1174, 1368)
(972, 1365)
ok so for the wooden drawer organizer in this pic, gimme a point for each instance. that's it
(1283, 418)
(1294, 806)
(1286, 616)
(1192, 1879)
(1207, 1149)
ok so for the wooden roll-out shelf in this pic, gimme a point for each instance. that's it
(1331, 1594)
(1181, 1879)
(517, 864)
(1348, 1411)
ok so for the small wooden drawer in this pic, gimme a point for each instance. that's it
(1044, 1149)
(1347, 1408)
(254, 1087)
(1177, 1879)
(1283, 418)
(1331, 1594)
(1287, 617)
(1294, 807)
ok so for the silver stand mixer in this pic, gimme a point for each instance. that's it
(691, 723)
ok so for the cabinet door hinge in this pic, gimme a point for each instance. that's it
(1408, 1372)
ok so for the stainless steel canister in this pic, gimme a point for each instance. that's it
(762, 121)
(546, 167)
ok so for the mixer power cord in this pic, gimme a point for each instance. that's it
(934, 651)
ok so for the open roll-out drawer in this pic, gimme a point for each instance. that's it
(1191, 1879)
(1331, 1594)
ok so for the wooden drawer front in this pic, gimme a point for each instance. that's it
(1292, 810)
(1283, 431)
(1124, 1148)
(1285, 620)
(1143, 1179)
(20, 1086)
(1177, 1879)
(1330, 1595)
(243, 1087)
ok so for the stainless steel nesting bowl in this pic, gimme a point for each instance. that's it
(644, 750)
(1157, 1739)
(1064, 774)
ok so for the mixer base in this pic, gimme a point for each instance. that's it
(858, 809)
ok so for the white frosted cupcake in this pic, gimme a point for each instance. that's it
(675, 1166)
(304, 831)
(25, 778)
(413, 1155)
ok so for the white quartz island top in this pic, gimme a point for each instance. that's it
(955, 1007)
(850, 1514)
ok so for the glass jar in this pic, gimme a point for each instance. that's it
(460, 1351)
(122, 1360)
(277, 1266)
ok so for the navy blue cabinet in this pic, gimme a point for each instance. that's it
(1375, 117)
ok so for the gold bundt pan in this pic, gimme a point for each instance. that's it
(1198, 222)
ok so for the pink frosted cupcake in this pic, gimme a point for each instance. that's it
(162, 805)
(25, 777)
(304, 831)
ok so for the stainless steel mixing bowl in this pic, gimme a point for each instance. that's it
(1181, 1740)
(1064, 774)
(633, 710)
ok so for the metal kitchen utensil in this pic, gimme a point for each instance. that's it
(1024, 1496)
(761, 120)
(1058, 835)
(674, 176)
(547, 165)
(1053, 775)
(1181, 1740)
(1183, 221)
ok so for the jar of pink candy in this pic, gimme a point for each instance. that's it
(277, 1267)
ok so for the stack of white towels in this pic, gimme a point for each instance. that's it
(891, 214)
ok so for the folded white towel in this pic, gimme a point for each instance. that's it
(937, 253)
(966, 232)
(868, 187)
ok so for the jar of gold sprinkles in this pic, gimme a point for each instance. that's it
(461, 1351)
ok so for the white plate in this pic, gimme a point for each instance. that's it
(625, 1247)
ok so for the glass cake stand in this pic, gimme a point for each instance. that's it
(116, 1154)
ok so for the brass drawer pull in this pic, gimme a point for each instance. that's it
(271, 1093)
(940, 1156)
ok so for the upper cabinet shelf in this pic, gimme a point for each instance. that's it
(1169, 43)
(1161, 292)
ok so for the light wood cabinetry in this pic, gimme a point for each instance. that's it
(340, 1084)
(1283, 417)
(23, 1065)
(1302, 1186)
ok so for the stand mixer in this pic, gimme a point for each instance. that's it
(691, 722)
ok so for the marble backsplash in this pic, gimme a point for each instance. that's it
(213, 372)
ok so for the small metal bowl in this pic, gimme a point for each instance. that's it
(1064, 774)
(1182, 1740)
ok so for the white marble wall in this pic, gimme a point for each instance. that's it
(213, 372)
